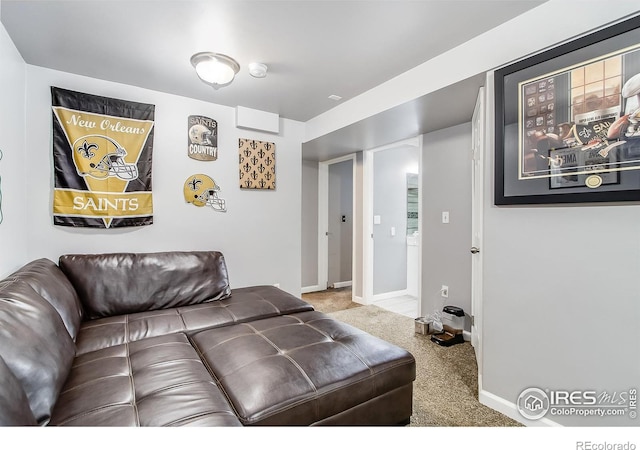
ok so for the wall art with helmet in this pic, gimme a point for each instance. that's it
(102, 154)
(202, 190)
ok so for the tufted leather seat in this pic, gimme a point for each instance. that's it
(159, 381)
(301, 369)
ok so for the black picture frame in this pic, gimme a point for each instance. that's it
(571, 112)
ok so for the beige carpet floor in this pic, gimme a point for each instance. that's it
(331, 300)
(446, 386)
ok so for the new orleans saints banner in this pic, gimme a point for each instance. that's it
(102, 149)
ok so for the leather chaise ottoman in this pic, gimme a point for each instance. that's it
(307, 369)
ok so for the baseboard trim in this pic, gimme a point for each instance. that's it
(359, 300)
(341, 284)
(307, 289)
(510, 410)
(387, 295)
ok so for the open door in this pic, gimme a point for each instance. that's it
(477, 146)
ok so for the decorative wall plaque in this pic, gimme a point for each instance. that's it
(257, 164)
(203, 138)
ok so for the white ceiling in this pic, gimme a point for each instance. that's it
(313, 48)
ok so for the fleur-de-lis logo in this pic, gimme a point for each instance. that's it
(241, 174)
(194, 183)
(268, 176)
(247, 167)
(262, 183)
(261, 168)
(253, 145)
(268, 161)
(240, 159)
(261, 153)
(585, 133)
(247, 152)
(248, 183)
(254, 175)
(85, 150)
(254, 160)
(268, 146)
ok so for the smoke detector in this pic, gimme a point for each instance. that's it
(258, 70)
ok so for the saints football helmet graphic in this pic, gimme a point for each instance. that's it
(199, 134)
(101, 157)
(201, 190)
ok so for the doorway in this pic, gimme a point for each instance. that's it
(337, 223)
(340, 225)
(392, 249)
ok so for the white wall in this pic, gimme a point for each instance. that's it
(260, 233)
(561, 306)
(446, 186)
(16, 186)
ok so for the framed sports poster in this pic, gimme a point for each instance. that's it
(567, 122)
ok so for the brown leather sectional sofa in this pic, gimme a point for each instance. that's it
(160, 339)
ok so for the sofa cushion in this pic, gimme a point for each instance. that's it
(126, 283)
(46, 278)
(159, 381)
(14, 405)
(302, 368)
(34, 344)
(244, 304)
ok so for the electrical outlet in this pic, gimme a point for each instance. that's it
(444, 291)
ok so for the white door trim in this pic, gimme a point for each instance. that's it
(477, 203)
(367, 244)
(323, 220)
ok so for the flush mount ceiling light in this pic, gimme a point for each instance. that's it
(215, 69)
(258, 70)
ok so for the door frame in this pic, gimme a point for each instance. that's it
(323, 221)
(477, 203)
(367, 200)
